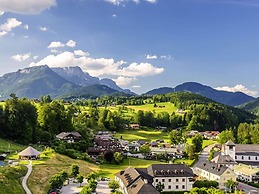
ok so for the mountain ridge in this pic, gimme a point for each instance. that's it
(224, 97)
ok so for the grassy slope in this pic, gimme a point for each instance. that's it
(9, 146)
(10, 179)
(169, 107)
(42, 172)
(146, 134)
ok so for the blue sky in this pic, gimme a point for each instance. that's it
(140, 44)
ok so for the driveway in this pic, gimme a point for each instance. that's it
(102, 187)
(72, 188)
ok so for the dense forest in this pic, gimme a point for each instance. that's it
(25, 121)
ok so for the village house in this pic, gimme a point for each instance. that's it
(104, 142)
(134, 126)
(214, 172)
(246, 173)
(173, 177)
(69, 137)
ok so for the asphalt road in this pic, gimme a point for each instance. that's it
(247, 188)
(204, 154)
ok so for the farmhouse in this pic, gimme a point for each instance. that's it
(172, 177)
(214, 172)
(135, 126)
(69, 137)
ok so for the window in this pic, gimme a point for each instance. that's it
(169, 187)
(177, 186)
(242, 157)
(156, 180)
(235, 157)
(169, 180)
(177, 180)
(249, 158)
(163, 180)
(183, 180)
(183, 186)
(255, 157)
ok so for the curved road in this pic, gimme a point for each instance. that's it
(24, 181)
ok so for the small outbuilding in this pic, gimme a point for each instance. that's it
(29, 154)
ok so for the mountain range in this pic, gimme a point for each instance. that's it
(69, 82)
(224, 97)
(34, 82)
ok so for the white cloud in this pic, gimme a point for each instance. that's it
(167, 57)
(151, 1)
(3, 33)
(26, 6)
(26, 27)
(1, 13)
(237, 88)
(114, 15)
(151, 57)
(10, 24)
(43, 29)
(124, 81)
(56, 44)
(122, 2)
(55, 51)
(136, 86)
(81, 53)
(71, 43)
(21, 57)
(115, 2)
(141, 69)
(99, 66)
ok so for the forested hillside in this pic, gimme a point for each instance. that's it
(25, 121)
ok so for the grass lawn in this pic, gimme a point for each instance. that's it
(188, 162)
(42, 171)
(9, 146)
(169, 107)
(147, 135)
(108, 170)
(206, 142)
(10, 179)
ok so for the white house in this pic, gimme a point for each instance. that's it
(247, 173)
(172, 177)
(215, 172)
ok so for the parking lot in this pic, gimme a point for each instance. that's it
(73, 188)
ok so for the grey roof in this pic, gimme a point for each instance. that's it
(169, 170)
(230, 143)
(29, 151)
(247, 153)
(223, 159)
(65, 134)
(247, 148)
(134, 181)
(212, 167)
